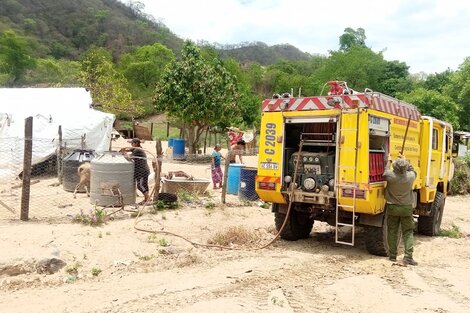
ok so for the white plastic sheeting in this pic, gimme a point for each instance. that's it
(50, 108)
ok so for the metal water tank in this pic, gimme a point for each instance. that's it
(70, 166)
(112, 176)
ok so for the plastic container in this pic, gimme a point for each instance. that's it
(233, 178)
(112, 175)
(170, 142)
(70, 166)
(247, 183)
(178, 148)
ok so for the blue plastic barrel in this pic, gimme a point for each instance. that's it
(233, 178)
(247, 183)
(178, 148)
(170, 142)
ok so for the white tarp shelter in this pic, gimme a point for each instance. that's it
(50, 108)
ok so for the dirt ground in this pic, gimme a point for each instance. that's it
(120, 268)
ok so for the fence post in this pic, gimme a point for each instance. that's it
(59, 156)
(28, 153)
(228, 157)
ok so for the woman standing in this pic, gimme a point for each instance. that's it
(217, 174)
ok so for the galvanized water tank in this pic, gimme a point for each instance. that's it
(70, 166)
(112, 175)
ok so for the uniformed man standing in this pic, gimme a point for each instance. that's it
(399, 197)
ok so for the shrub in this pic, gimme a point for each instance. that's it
(460, 184)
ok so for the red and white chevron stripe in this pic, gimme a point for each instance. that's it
(376, 101)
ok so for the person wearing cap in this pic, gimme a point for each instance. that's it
(141, 168)
(399, 208)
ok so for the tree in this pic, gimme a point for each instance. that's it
(395, 78)
(433, 103)
(198, 93)
(438, 81)
(459, 90)
(144, 67)
(359, 66)
(107, 86)
(352, 38)
(54, 73)
(16, 56)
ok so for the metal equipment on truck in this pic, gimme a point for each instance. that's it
(322, 158)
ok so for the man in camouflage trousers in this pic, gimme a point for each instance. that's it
(399, 197)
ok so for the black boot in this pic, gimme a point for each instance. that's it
(409, 260)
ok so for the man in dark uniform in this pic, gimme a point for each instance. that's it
(141, 168)
(399, 197)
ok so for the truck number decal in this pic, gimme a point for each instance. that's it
(270, 138)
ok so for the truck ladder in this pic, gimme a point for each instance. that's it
(352, 185)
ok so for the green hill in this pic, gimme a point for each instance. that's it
(64, 29)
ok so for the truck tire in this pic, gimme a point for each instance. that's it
(376, 239)
(297, 227)
(431, 225)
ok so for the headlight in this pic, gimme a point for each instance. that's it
(331, 182)
(287, 179)
(309, 183)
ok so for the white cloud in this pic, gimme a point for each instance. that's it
(429, 35)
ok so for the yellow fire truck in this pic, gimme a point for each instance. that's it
(322, 158)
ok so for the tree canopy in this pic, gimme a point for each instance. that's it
(197, 92)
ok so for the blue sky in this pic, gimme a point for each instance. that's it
(429, 35)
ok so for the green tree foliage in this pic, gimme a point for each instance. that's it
(16, 57)
(249, 101)
(459, 90)
(198, 93)
(438, 81)
(359, 66)
(396, 78)
(433, 103)
(351, 38)
(144, 67)
(106, 84)
(65, 29)
(52, 72)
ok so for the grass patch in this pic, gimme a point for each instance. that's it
(73, 269)
(453, 232)
(95, 217)
(235, 235)
(95, 271)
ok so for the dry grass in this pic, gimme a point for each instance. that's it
(234, 235)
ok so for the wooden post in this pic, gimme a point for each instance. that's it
(151, 130)
(167, 129)
(224, 186)
(158, 168)
(205, 140)
(27, 156)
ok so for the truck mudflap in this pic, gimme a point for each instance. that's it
(269, 189)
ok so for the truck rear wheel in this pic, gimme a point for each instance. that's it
(376, 239)
(431, 225)
(297, 227)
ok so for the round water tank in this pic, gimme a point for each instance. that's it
(112, 176)
(70, 166)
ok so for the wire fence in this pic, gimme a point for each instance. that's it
(58, 187)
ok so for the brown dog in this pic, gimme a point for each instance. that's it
(84, 172)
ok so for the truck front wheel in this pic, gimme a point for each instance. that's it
(297, 227)
(431, 225)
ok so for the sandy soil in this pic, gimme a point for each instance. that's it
(139, 271)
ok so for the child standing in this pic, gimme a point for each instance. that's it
(217, 174)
